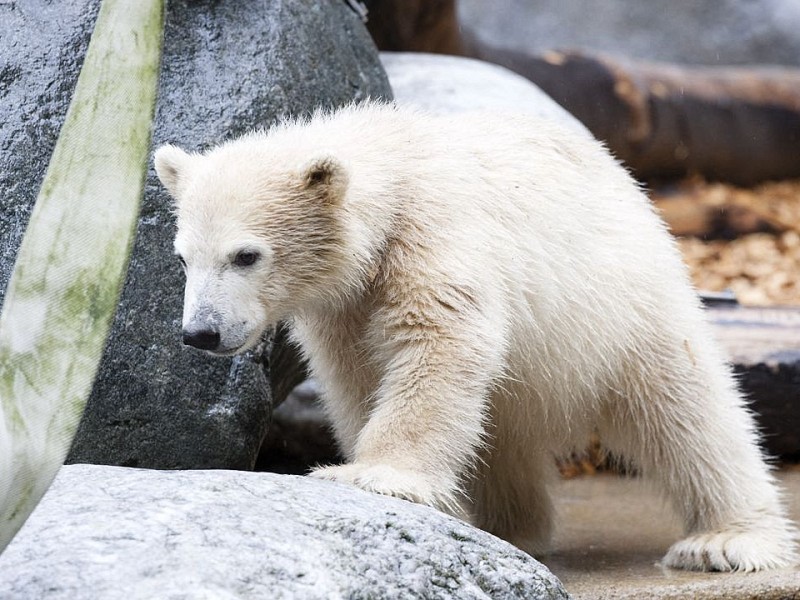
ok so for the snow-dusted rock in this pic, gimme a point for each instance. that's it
(445, 84)
(111, 532)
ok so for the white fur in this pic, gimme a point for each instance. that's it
(477, 293)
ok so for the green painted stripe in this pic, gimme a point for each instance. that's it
(73, 259)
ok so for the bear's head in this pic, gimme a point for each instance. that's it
(259, 235)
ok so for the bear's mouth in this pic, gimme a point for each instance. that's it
(204, 332)
(223, 352)
(233, 350)
(230, 350)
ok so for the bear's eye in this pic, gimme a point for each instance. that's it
(183, 260)
(246, 258)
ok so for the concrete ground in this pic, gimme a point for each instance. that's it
(612, 532)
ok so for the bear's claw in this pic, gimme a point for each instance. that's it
(392, 481)
(752, 549)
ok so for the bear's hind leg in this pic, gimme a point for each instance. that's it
(692, 434)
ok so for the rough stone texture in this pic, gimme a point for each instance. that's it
(448, 84)
(42, 45)
(711, 32)
(228, 66)
(109, 532)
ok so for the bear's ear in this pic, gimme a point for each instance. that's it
(326, 177)
(171, 167)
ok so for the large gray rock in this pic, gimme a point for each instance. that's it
(102, 533)
(450, 84)
(711, 32)
(228, 66)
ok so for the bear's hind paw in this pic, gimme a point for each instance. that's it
(735, 550)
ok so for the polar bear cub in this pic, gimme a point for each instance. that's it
(476, 293)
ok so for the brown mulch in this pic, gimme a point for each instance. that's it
(761, 269)
(761, 264)
(588, 462)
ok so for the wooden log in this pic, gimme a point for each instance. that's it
(415, 26)
(687, 216)
(737, 124)
(720, 211)
(764, 346)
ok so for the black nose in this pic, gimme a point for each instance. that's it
(202, 338)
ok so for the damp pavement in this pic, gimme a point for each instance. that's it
(612, 532)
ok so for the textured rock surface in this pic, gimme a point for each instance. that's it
(41, 52)
(228, 66)
(110, 532)
(697, 32)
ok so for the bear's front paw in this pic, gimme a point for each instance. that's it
(735, 550)
(392, 481)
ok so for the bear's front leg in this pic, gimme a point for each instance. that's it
(440, 352)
